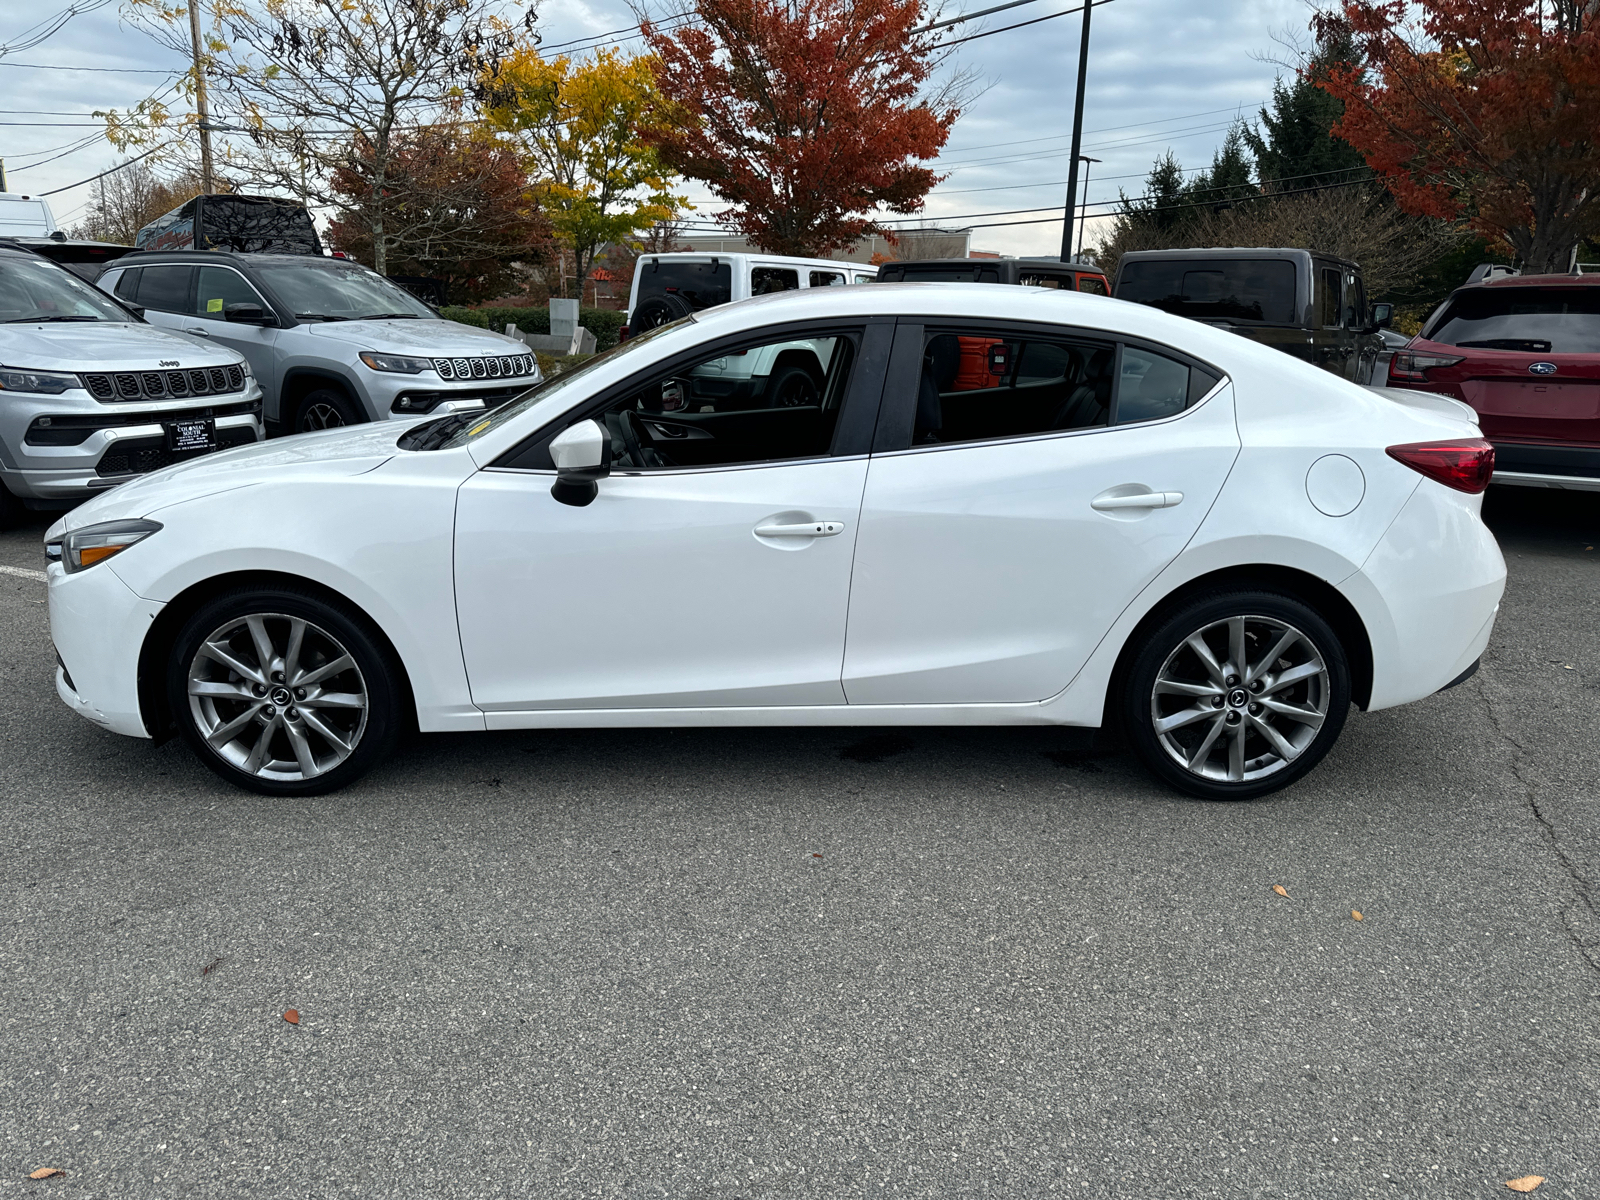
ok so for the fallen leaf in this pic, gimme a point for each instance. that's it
(1356, 913)
(46, 1172)
(210, 967)
(1279, 888)
(816, 856)
(292, 1016)
(1568, 667)
(1526, 1184)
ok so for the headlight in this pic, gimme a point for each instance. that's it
(82, 548)
(397, 363)
(48, 382)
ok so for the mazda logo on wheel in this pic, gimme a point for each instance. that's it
(1543, 368)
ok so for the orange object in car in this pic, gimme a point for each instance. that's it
(974, 372)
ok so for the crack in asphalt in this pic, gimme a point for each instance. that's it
(1588, 948)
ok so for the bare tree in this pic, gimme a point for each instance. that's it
(335, 86)
(125, 201)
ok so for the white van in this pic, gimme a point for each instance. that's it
(25, 216)
(669, 286)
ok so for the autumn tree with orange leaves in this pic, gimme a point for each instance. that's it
(1479, 111)
(803, 115)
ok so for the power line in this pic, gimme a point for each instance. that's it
(1066, 12)
(103, 174)
(107, 70)
(964, 17)
(32, 36)
(1056, 137)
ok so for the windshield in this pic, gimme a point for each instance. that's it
(1219, 289)
(1532, 320)
(34, 290)
(322, 291)
(940, 273)
(701, 284)
(552, 389)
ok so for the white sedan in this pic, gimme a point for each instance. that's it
(965, 505)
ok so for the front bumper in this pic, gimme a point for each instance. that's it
(1566, 468)
(124, 439)
(99, 625)
(398, 397)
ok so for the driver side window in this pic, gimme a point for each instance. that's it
(760, 404)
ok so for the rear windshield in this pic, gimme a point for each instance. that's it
(1532, 320)
(257, 227)
(939, 273)
(1219, 289)
(700, 284)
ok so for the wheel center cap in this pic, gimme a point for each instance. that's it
(281, 697)
(1238, 698)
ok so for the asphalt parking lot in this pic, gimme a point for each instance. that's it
(821, 963)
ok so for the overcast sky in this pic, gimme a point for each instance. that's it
(1161, 73)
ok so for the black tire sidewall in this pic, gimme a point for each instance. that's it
(1133, 699)
(336, 400)
(381, 674)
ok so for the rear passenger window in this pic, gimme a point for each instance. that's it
(165, 289)
(1328, 295)
(1094, 286)
(980, 386)
(127, 284)
(773, 279)
(827, 279)
(1152, 386)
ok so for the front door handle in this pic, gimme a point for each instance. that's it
(198, 332)
(808, 529)
(1139, 500)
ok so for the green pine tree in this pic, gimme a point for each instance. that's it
(1294, 147)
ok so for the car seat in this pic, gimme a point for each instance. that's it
(941, 361)
(1089, 403)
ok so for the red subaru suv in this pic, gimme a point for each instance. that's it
(1524, 351)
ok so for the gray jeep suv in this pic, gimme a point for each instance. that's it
(331, 342)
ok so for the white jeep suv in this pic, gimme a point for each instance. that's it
(90, 396)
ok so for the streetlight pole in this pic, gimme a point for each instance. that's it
(1077, 137)
(1083, 222)
(200, 99)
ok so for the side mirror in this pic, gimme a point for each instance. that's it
(248, 314)
(1382, 315)
(582, 455)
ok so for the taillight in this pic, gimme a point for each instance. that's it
(1411, 366)
(622, 334)
(1466, 464)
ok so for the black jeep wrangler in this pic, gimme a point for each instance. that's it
(1311, 305)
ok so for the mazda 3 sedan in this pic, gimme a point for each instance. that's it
(940, 504)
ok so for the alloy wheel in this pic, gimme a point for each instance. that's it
(277, 697)
(320, 416)
(1240, 699)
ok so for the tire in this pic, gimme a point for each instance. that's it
(326, 409)
(13, 512)
(792, 387)
(1266, 733)
(284, 727)
(658, 310)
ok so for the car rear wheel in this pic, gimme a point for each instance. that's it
(283, 693)
(1237, 695)
(326, 409)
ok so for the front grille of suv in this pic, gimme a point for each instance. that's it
(164, 385)
(512, 366)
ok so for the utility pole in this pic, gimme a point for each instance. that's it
(1083, 221)
(206, 182)
(1077, 137)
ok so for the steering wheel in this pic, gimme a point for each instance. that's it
(630, 438)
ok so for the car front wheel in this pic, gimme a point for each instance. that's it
(283, 693)
(326, 409)
(1236, 695)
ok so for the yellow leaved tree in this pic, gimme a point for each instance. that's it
(578, 127)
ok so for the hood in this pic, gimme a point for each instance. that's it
(105, 346)
(420, 337)
(327, 454)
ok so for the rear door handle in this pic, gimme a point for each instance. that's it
(1140, 500)
(809, 529)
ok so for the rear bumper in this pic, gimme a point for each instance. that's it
(1519, 464)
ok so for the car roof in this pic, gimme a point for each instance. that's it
(1563, 280)
(974, 262)
(1192, 252)
(139, 257)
